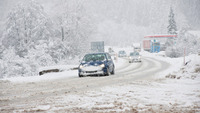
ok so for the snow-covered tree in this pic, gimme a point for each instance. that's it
(27, 24)
(27, 39)
(59, 51)
(172, 29)
(13, 65)
(185, 40)
(75, 28)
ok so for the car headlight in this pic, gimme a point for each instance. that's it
(102, 65)
(81, 66)
(129, 57)
(139, 57)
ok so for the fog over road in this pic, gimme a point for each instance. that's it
(16, 96)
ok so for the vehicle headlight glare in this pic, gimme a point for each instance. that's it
(81, 66)
(102, 65)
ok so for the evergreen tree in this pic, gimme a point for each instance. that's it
(172, 24)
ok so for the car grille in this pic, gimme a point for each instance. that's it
(91, 71)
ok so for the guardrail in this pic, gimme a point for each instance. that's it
(55, 70)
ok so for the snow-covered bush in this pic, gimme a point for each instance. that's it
(173, 52)
(189, 71)
(57, 50)
(185, 43)
(14, 65)
(40, 54)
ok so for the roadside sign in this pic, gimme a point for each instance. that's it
(97, 46)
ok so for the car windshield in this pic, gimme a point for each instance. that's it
(134, 54)
(94, 57)
(122, 52)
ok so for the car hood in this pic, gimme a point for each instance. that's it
(92, 63)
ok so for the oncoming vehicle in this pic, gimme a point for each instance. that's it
(122, 54)
(138, 49)
(96, 64)
(134, 57)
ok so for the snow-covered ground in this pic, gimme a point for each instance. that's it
(147, 96)
(174, 90)
(164, 94)
(66, 72)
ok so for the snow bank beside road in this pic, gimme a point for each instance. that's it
(66, 73)
(176, 63)
(45, 77)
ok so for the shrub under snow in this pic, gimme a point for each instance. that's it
(189, 71)
(186, 41)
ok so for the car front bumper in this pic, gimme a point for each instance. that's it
(87, 73)
(135, 60)
(92, 70)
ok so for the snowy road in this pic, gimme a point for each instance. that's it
(22, 96)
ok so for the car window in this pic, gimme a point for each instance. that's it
(131, 54)
(122, 52)
(94, 57)
(134, 54)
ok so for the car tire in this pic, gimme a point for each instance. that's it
(80, 75)
(113, 72)
(107, 73)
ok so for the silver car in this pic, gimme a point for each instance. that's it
(122, 54)
(134, 57)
